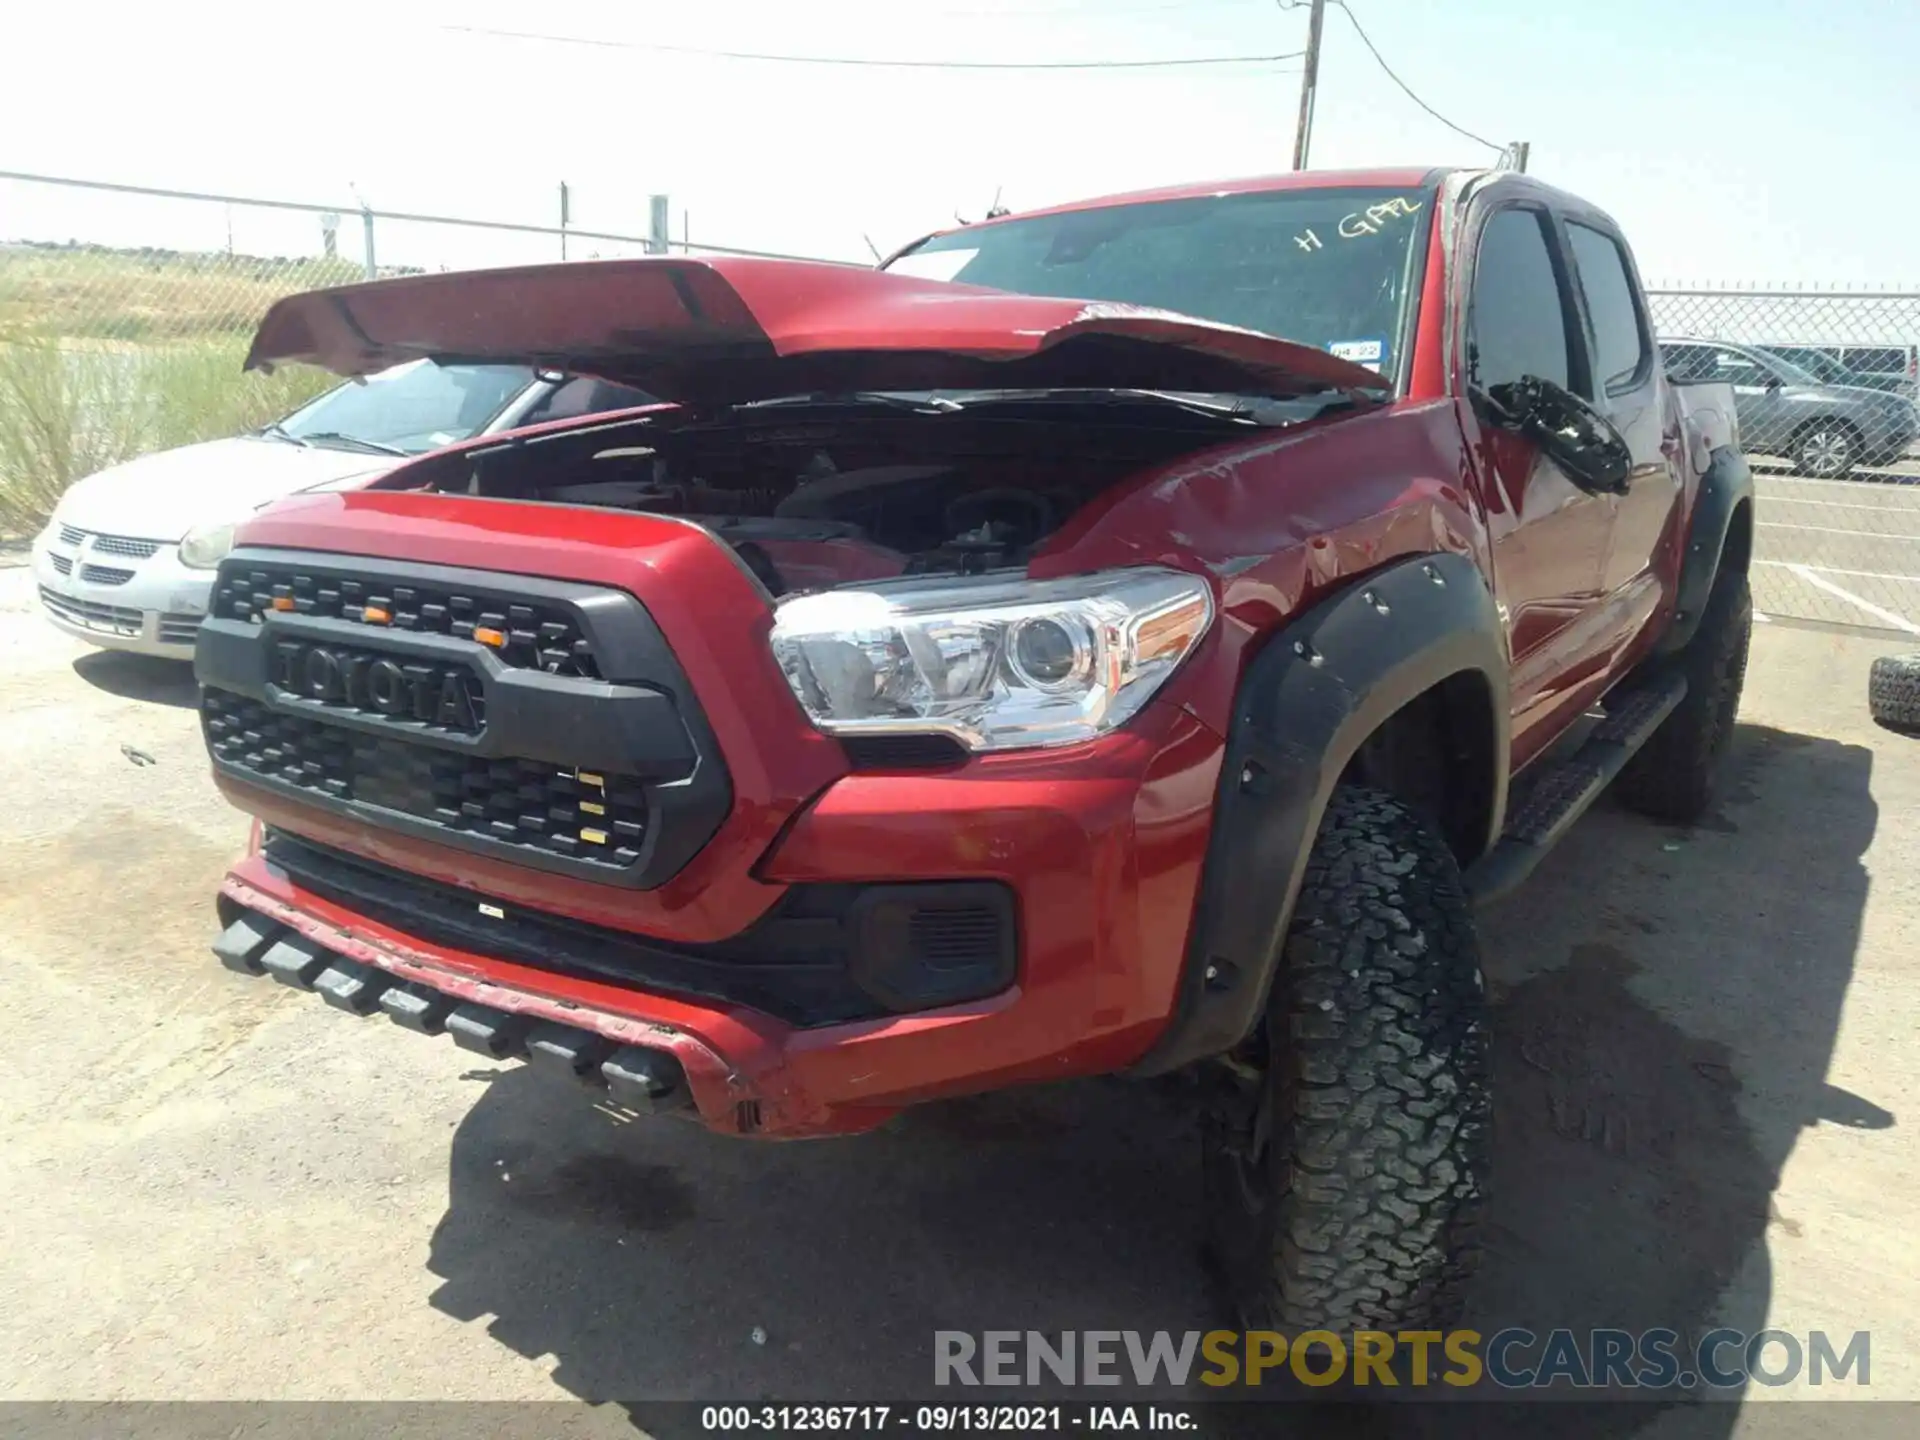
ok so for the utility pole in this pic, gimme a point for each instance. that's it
(1520, 149)
(566, 214)
(1309, 78)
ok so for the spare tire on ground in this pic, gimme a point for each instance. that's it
(1893, 692)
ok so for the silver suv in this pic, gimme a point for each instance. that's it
(1784, 410)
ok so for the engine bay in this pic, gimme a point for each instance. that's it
(864, 498)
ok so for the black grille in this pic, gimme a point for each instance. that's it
(534, 805)
(903, 752)
(70, 535)
(962, 935)
(104, 575)
(586, 687)
(535, 636)
(62, 564)
(125, 546)
(112, 619)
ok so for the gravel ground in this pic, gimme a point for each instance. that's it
(217, 1189)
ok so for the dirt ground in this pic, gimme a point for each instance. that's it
(217, 1189)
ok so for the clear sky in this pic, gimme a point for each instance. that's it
(1736, 140)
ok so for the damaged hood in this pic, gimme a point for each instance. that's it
(726, 331)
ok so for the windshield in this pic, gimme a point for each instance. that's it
(1330, 268)
(412, 408)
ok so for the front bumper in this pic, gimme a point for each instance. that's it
(1102, 850)
(156, 609)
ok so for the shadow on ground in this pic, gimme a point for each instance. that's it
(139, 677)
(1666, 1003)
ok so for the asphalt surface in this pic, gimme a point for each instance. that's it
(216, 1189)
(1843, 552)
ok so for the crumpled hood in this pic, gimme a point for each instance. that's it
(731, 330)
(164, 495)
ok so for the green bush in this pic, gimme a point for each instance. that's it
(67, 411)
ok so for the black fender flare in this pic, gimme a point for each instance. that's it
(1317, 689)
(1726, 486)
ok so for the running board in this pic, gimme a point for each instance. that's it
(1559, 792)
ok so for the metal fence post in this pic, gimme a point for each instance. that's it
(659, 225)
(366, 225)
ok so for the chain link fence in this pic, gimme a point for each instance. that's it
(1824, 383)
(125, 311)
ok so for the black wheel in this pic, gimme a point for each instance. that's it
(1826, 449)
(1672, 778)
(1346, 1160)
(1893, 692)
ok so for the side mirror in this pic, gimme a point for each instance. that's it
(1574, 435)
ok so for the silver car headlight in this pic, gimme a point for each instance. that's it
(205, 546)
(999, 663)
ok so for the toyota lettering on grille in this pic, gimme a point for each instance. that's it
(448, 697)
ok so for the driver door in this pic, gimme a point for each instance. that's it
(1550, 536)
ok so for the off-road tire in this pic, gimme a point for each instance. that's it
(1827, 450)
(1893, 692)
(1345, 1170)
(1672, 778)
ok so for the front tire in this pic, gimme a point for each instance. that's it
(1345, 1171)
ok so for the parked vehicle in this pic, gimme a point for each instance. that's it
(1892, 368)
(127, 561)
(962, 687)
(1825, 430)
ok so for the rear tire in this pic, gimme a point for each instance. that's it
(1345, 1170)
(1893, 692)
(1672, 778)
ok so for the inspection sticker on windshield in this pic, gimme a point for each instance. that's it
(1368, 354)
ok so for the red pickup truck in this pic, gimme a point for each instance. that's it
(1014, 663)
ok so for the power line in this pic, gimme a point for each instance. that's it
(1379, 59)
(873, 64)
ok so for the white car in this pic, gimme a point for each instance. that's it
(128, 560)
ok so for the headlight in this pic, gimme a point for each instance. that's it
(999, 664)
(205, 546)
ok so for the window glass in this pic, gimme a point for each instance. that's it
(1873, 360)
(412, 408)
(1328, 266)
(584, 395)
(1619, 345)
(1738, 369)
(1517, 322)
